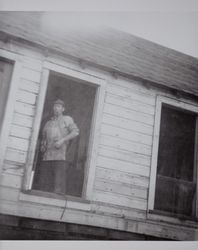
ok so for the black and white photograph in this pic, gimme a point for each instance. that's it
(98, 125)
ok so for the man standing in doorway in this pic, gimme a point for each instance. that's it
(56, 134)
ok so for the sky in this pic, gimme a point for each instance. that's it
(171, 23)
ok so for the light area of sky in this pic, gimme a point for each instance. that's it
(171, 23)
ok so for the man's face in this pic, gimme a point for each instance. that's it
(58, 109)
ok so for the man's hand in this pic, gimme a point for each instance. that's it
(59, 143)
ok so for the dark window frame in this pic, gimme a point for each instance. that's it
(186, 106)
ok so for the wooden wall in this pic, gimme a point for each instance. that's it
(120, 193)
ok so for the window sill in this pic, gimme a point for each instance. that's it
(51, 199)
(173, 219)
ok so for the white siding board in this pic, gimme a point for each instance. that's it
(29, 85)
(123, 166)
(26, 97)
(129, 104)
(18, 143)
(121, 177)
(8, 194)
(110, 209)
(19, 131)
(133, 85)
(131, 95)
(128, 114)
(120, 200)
(23, 108)
(125, 145)
(30, 74)
(10, 180)
(124, 155)
(32, 64)
(120, 188)
(126, 134)
(31, 210)
(15, 156)
(127, 124)
(22, 120)
(13, 168)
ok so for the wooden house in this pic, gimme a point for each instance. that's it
(132, 171)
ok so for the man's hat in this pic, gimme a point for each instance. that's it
(59, 101)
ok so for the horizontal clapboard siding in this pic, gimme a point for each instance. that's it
(26, 97)
(123, 166)
(131, 95)
(127, 145)
(120, 177)
(22, 120)
(32, 64)
(122, 155)
(29, 86)
(127, 124)
(11, 180)
(24, 112)
(10, 167)
(120, 188)
(130, 104)
(126, 134)
(23, 108)
(30, 74)
(120, 200)
(128, 114)
(14, 155)
(20, 131)
(111, 209)
(9, 193)
(18, 143)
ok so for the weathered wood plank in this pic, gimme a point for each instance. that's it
(12, 168)
(9, 194)
(120, 200)
(120, 188)
(127, 124)
(26, 209)
(128, 135)
(44, 200)
(26, 97)
(22, 120)
(15, 156)
(31, 75)
(23, 108)
(122, 155)
(113, 210)
(128, 114)
(130, 104)
(125, 145)
(121, 177)
(131, 95)
(133, 85)
(161, 230)
(10, 180)
(123, 166)
(29, 85)
(32, 63)
(18, 143)
(19, 131)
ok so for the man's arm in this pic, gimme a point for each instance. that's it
(74, 131)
